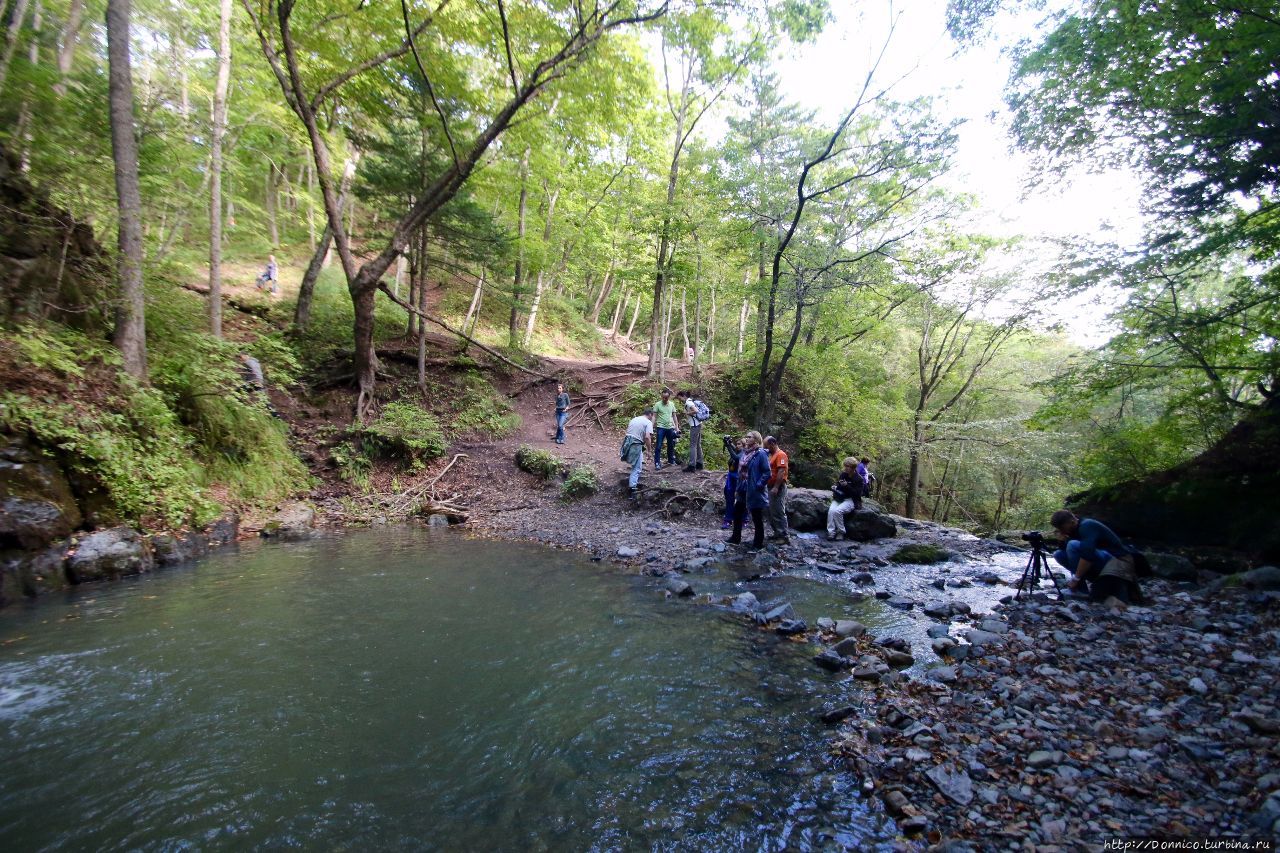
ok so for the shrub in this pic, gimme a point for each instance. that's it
(582, 482)
(540, 462)
(403, 431)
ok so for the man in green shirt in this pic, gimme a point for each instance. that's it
(668, 425)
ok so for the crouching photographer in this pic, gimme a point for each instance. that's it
(1101, 565)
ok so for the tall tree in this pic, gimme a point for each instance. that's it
(215, 168)
(131, 332)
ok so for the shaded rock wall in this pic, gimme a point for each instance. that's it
(1228, 497)
(51, 267)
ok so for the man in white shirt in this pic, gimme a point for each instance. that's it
(636, 445)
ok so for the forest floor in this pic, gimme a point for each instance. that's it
(1050, 725)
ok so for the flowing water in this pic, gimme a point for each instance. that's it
(404, 689)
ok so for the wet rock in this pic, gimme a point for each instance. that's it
(777, 612)
(1042, 758)
(830, 568)
(941, 645)
(883, 594)
(850, 628)
(791, 627)
(978, 637)
(899, 660)
(896, 803)
(697, 565)
(945, 609)
(836, 715)
(830, 659)
(627, 552)
(1263, 577)
(846, 647)
(994, 626)
(865, 525)
(914, 825)
(901, 602)
(112, 553)
(944, 674)
(678, 587)
(37, 505)
(292, 523)
(864, 578)
(990, 578)
(223, 531)
(936, 631)
(826, 623)
(952, 783)
(1171, 567)
(746, 602)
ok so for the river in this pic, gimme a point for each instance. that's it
(404, 688)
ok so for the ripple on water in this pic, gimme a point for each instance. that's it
(396, 689)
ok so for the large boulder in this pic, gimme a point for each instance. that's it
(807, 512)
(1172, 567)
(291, 523)
(36, 502)
(112, 553)
(27, 574)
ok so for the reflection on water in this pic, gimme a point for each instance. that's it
(398, 689)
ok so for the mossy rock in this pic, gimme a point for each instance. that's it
(920, 554)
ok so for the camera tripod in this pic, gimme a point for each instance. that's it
(1037, 569)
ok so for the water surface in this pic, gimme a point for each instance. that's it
(410, 689)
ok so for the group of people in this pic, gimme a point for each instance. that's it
(659, 425)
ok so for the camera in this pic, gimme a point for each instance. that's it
(1036, 538)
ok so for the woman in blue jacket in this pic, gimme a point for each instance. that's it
(753, 490)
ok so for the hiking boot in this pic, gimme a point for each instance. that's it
(689, 469)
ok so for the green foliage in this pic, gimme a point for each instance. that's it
(139, 454)
(582, 482)
(354, 465)
(403, 431)
(539, 462)
(59, 349)
(478, 409)
(920, 554)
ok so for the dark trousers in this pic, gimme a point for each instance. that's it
(757, 520)
(730, 491)
(669, 436)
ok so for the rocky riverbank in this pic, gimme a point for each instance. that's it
(985, 723)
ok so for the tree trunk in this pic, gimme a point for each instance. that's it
(619, 308)
(605, 289)
(711, 326)
(660, 277)
(215, 170)
(913, 477)
(742, 325)
(23, 130)
(537, 293)
(684, 321)
(474, 307)
(131, 330)
(320, 258)
(271, 202)
(517, 282)
(422, 329)
(12, 37)
(67, 45)
(635, 315)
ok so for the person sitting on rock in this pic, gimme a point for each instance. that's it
(753, 490)
(1100, 563)
(846, 495)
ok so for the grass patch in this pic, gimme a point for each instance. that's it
(481, 410)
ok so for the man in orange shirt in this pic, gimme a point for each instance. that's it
(779, 471)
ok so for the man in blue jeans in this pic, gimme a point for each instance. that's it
(668, 423)
(562, 412)
(634, 445)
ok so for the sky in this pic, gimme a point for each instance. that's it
(968, 84)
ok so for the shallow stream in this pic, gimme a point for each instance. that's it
(410, 689)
